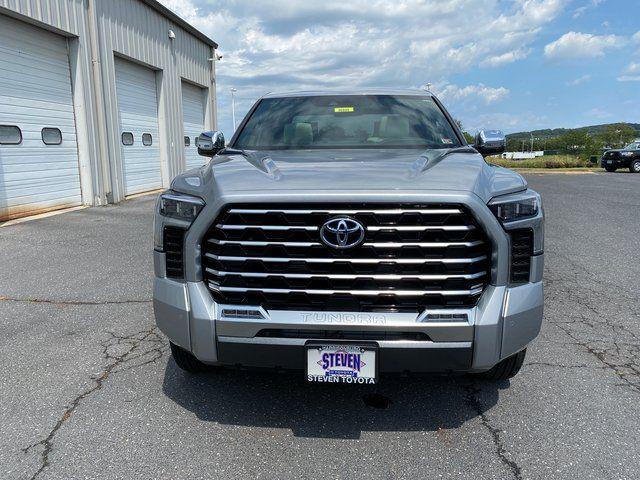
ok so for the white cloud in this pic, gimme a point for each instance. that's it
(582, 45)
(584, 8)
(507, 57)
(488, 95)
(579, 80)
(632, 68)
(631, 73)
(636, 37)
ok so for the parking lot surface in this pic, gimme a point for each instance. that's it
(89, 389)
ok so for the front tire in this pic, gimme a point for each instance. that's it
(185, 360)
(635, 166)
(506, 369)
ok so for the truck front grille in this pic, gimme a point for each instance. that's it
(413, 257)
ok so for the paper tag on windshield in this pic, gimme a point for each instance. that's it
(447, 141)
(343, 109)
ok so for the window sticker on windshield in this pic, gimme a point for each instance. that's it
(343, 109)
(447, 141)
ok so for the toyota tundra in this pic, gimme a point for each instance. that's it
(348, 235)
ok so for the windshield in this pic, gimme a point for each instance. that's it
(633, 146)
(343, 121)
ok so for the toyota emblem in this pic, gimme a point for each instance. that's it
(342, 232)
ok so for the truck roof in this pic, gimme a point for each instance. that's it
(352, 91)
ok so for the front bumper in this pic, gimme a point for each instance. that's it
(616, 162)
(505, 320)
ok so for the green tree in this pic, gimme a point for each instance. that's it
(468, 137)
(617, 135)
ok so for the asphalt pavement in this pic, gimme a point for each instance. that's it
(88, 388)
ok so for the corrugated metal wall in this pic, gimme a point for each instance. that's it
(133, 30)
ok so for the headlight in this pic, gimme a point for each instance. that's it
(627, 154)
(179, 206)
(516, 206)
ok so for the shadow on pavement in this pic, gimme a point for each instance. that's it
(286, 400)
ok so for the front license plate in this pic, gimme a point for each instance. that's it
(609, 162)
(341, 364)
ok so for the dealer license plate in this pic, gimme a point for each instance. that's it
(342, 363)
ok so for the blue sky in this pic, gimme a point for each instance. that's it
(515, 65)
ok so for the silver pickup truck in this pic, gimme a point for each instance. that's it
(348, 235)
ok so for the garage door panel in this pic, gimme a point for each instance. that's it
(9, 97)
(193, 111)
(138, 114)
(23, 194)
(43, 174)
(34, 199)
(35, 92)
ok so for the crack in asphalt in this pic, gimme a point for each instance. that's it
(473, 402)
(553, 365)
(141, 348)
(4, 298)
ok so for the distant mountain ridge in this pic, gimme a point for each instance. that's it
(556, 132)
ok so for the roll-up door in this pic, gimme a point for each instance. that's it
(39, 168)
(138, 112)
(193, 108)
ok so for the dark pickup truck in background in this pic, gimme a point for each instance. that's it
(627, 157)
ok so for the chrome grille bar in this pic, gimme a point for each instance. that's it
(400, 261)
(390, 211)
(311, 228)
(422, 228)
(422, 244)
(470, 276)
(399, 293)
(274, 228)
(366, 244)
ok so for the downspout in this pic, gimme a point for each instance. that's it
(106, 195)
(213, 92)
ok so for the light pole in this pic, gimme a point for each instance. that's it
(233, 107)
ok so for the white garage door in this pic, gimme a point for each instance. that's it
(138, 109)
(193, 105)
(38, 152)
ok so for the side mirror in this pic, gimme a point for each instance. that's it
(490, 142)
(209, 143)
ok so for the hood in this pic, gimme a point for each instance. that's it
(618, 150)
(462, 170)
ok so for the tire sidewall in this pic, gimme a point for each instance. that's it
(635, 166)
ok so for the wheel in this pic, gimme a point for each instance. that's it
(185, 360)
(635, 166)
(506, 369)
(610, 169)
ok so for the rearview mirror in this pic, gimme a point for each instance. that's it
(490, 142)
(209, 143)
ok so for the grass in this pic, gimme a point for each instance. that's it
(547, 161)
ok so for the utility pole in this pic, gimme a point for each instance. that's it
(233, 107)
(532, 143)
